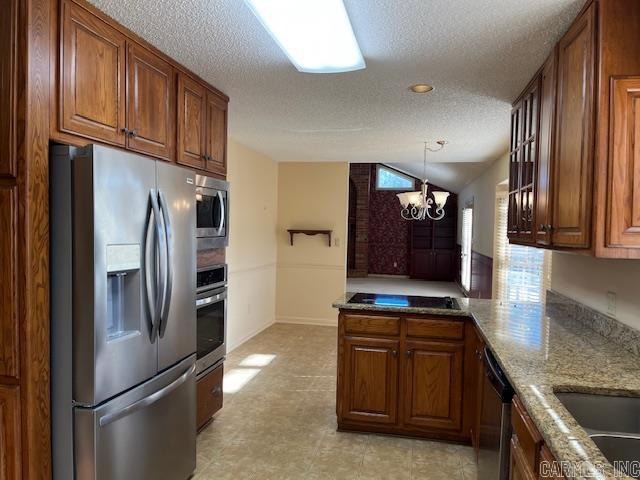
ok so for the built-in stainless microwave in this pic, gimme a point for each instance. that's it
(212, 212)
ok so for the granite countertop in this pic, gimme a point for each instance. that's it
(547, 348)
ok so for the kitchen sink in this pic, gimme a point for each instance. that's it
(613, 423)
(603, 413)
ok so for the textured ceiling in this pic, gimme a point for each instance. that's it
(478, 54)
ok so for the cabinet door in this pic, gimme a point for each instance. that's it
(216, 134)
(210, 396)
(8, 87)
(8, 280)
(573, 161)
(433, 385)
(528, 160)
(443, 267)
(623, 206)
(370, 387)
(10, 468)
(191, 122)
(151, 103)
(518, 468)
(92, 82)
(515, 153)
(545, 151)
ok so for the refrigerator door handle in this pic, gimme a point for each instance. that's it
(146, 401)
(168, 286)
(222, 213)
(160, 246)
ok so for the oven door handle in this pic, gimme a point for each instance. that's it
(201, 302)
(222, 213)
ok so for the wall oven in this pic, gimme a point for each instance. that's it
(211, 304)
(212, 212)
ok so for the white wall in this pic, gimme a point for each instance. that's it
(252, 251)
(482, 191)
(311, 274)
(588, 280)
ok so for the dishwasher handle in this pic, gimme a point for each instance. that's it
(496, 377)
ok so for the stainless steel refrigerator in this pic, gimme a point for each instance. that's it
(123, 316)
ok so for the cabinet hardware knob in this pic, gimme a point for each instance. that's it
(394, 353)
(216, 391)
(409, 353)
(126, 131)
(133, 133)
(549, 227)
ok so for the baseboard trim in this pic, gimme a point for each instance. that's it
(249, 336)
(324, 322)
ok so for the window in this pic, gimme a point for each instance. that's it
(467, 236)
(389, 179)
(522, 274)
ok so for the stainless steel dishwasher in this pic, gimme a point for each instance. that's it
(495, 421)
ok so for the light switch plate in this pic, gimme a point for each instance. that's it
(611, 304)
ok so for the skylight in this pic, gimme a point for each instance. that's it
(316, 35)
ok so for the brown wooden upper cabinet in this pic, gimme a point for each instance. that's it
(8, 88)
(202, 127)
(150, 103)
(584, 192)
(113, 90)
(92, 77)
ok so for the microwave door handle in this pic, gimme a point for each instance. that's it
(160, 245)
(164, 313)
(223, 213)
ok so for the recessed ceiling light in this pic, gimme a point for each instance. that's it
(421, 88)
(316, 35)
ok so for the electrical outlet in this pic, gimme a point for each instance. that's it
(611, 304)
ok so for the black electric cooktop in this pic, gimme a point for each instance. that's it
(386, 300)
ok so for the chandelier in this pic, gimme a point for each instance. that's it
(417, 205)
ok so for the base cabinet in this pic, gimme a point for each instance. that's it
(209, 393)
(370, 380)
(402, 375)
(433, 385)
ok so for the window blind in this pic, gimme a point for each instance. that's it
(523, 274)
(467, 235)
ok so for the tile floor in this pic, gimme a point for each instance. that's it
(278, 421)
(404, 286)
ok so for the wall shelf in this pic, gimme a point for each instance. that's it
(310, 232)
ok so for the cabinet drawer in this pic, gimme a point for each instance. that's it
(435, 328)
(209, 395)
(372, 324)
(529, 438)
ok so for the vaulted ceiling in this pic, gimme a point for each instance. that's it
(478, 54)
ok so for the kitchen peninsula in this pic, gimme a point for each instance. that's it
(416, 371)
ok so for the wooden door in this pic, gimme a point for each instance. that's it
(370, 386)
(545, 151)
(10, 468)
(518, 467)
(92, 82)
(573, 160)
(623, 206)
(432, 385)
(8, 280)
(192, 99)
(150, 103)
(216, 135)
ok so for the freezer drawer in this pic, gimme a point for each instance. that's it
(146, 433)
